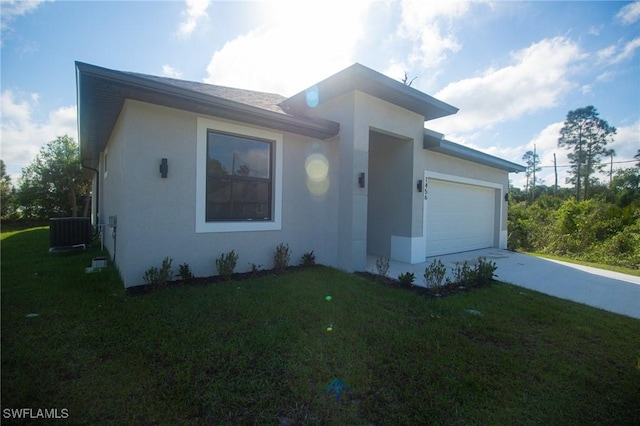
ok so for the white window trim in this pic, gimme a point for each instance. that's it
(202, 226)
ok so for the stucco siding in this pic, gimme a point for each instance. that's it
(156, 216)
(361, 115)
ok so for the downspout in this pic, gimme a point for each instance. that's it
(97, 172)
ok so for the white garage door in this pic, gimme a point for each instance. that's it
(459, 217)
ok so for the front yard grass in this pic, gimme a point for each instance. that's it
(258, 351)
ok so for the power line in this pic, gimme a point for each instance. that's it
(615, 162)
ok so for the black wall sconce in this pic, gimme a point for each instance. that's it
(164, 168)
(506, 196)
(361, 180)
(419, 186)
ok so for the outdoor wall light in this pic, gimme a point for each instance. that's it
(506, 196)
(164, 168)
(419, 185)
(361, 180)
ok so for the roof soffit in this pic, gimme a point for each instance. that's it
(360, 78)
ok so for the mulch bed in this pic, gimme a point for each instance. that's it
(433, 292)
(201, 281)
(443, 291)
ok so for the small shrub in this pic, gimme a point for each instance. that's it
(463, 275)
(255, 269)
(159, 276)
(434, 274)
(407, 279)
(166, 274)
(485, 271)
(308, 259)
(184, 271)
(382, 265)
(282, 256)
(226, 264)
(151, 276)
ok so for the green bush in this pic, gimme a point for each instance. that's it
(255, 269)
(159, 276)
(592, 230)
(308, 259)
(184, 270)
(463, 274)
(485, 271)
(281, 257)
(226, 264)
(406, 279)
(434, 274)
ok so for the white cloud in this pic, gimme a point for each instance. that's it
(23, 136)
(11, 9)
(617, 53)
(169, 71)
(537, 79)
(628, 50)
(196, 10)
(630, 13)
(605, 76)
(626, 142)
(299, 44)
(606, 53)
(546, 145)
(428, 26)
(595, 31)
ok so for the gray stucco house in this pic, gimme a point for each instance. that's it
(345, 168)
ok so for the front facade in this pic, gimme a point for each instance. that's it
(346, 169)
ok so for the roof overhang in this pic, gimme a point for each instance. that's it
(101, 93)
(434, 141)
(360, 78)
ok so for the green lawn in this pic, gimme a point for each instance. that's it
(258, 351)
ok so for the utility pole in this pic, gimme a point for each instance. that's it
(610, 169)
(535, 164)
(555, 170)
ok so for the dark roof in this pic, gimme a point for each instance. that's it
(434, 141)
(268, 101)
(101, 94)
(358, 77)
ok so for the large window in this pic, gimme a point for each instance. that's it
(239, 178)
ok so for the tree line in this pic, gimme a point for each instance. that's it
(54, 184)
(592, 221)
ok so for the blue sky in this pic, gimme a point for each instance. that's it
(513, 68)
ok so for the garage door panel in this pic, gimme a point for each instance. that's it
(459, 217)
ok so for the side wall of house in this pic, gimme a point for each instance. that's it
(156, 216)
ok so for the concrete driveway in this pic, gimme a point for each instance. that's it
(611, 291)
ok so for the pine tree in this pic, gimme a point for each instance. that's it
(586, 135)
